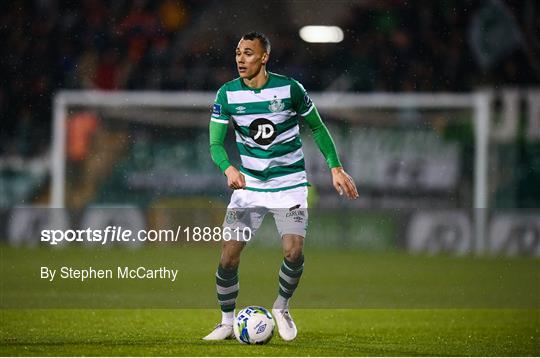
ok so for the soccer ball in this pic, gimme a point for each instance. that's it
(254, 325)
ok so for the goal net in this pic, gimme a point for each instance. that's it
(406, 152)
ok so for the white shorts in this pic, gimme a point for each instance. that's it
(248, 208)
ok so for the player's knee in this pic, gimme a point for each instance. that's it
(293, 255)
(230, 255)
(229, 262)
(292, 248)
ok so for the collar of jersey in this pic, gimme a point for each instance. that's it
(259, 89)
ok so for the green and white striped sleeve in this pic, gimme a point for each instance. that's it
(305, 107)
(219, 121)
(302, 104)
(219, 109)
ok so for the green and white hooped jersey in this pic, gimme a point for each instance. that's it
(267, 131)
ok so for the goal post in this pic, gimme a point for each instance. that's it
(478, 103)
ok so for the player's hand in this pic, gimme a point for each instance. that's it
(343, 182)
(235, 179)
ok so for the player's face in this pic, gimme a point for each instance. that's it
(250, 58)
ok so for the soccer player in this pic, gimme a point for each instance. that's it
(265, 109)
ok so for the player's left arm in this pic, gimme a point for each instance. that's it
(342, 181)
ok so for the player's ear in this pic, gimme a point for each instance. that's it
(265, 57)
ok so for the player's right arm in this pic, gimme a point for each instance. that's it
(218, 131)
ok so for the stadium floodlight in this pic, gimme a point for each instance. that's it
(321, 34)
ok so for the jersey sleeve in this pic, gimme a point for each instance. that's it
(219, 108)
(219, 121)
(322, 138)
(302, 104)
(219, 156)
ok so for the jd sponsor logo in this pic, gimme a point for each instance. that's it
(262, 131)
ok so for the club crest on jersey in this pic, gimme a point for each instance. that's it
(262, 131)
(231, 216)
(276, 105)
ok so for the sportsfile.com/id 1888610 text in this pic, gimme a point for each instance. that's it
(112, 234)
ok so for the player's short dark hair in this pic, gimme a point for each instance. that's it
(259, 36)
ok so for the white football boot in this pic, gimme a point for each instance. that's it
(286, 327)
(220, 333)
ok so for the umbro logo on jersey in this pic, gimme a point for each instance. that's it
(240, 109)
(262, 131)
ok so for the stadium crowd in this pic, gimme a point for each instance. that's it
(389, 45)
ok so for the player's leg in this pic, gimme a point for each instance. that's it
(289, 276)
(292, 226)
(227, 288)
(227, 285)
(291, 269)
(239, 216)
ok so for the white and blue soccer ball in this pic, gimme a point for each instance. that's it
(254, 325)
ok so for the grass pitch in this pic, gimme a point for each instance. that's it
(324, 332)
(348, 303)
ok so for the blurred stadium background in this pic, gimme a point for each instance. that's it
(402, 94)
(435, 108)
